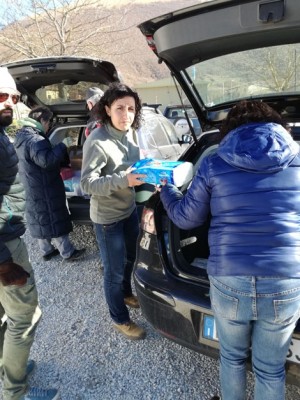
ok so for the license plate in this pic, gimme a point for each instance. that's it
(209, 328)
(209, 332)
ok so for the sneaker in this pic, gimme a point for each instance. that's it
(131, 330)
(48, 256)
(132, 301)
(40, 394)
(75, 255)
(30, 368)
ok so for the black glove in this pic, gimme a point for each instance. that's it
(12, 274)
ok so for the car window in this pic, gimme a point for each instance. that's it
(71, 135)
(65, 92)
(175, 112)
(258, 72)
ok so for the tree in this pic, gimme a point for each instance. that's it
(103, 29)
(276, 67)
(35, 28)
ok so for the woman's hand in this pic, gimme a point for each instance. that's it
(163, 183)
(134, 179)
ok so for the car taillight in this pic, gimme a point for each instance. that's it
(151, 42)
(147, 221)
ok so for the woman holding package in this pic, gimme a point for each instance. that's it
(106, 175)
(251, 187)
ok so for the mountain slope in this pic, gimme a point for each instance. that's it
(137, 62)
(104, 29)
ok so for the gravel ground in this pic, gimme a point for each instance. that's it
(78, 352)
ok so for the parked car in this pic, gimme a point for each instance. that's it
(220, 52)
(181, 116)
(61, 83)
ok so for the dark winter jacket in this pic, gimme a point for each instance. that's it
(12, 197)
(47, 215)
(251, 186)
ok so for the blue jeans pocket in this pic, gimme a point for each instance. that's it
(223, 305)
(287, 311)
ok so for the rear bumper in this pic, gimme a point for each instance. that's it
(175, 318)
(182, 322)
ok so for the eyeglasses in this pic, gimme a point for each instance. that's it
(14, 97)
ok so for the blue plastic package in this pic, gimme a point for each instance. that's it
(156, 171)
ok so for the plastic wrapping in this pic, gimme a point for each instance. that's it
(156, 171)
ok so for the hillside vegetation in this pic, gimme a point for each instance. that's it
(136, 61)
(105, 29)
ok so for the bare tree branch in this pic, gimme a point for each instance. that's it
(60, 27)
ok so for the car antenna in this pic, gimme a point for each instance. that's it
(184, 110)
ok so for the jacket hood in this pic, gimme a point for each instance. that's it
(29, 127)
(27, 121)
(258, 147)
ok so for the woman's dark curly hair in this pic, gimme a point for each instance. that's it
(245, 112)
(114, 92)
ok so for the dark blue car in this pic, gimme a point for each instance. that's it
(219, 52)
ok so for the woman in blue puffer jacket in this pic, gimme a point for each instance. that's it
(251, 186)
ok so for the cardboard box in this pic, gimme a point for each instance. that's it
(156, 171)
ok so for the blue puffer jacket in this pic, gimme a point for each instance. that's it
(47, 215)
(12, 197)
(252, 188)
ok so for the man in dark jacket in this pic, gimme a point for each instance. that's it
(19, 310)
(93, 95)
(47, 216)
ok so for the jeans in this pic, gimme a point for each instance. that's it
(62, 243)
(257, 313)
(19, 307)
(117, 244)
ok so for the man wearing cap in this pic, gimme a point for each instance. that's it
(93, 95)
(19, 309)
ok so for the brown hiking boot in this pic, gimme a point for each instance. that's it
(132, 301)
(131, 330)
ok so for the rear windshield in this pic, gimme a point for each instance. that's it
(179, 112)
(62, 93)
(259, 72)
